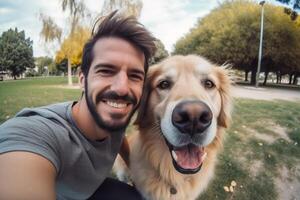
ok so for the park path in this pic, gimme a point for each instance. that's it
(270, 94)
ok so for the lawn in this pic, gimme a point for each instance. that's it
(261, 151)
(15, 95)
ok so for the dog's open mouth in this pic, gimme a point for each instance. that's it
(187, 159)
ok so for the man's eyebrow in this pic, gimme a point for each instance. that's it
(111, 66)
(106, 65)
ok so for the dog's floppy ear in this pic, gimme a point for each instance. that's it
(224, 118)
(142, 111)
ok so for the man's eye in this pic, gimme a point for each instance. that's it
(208, 84)
(136, 77)
(163, 85)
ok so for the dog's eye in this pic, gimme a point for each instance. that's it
(208, 84)
(163, 85)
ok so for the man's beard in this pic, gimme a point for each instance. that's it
(112, 96)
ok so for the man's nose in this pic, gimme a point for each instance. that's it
(120, 84)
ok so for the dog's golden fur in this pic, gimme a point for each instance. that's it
(151, 168)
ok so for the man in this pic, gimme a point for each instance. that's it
(66, 150)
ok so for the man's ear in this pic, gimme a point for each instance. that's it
(81, 78)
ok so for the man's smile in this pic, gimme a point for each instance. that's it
(116, 104)
(116, 108)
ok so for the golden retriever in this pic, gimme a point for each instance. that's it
(179, 129)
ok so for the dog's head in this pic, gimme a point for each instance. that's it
(188, 98)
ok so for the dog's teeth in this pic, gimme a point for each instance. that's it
(174, 155)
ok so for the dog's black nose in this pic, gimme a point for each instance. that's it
(191, 117)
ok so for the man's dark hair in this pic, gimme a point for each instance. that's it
(127, 28)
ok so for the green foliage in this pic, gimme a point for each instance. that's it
(230, 34)
(72, 46)
(31, 73)
(16, 52)
(292, 13)
(42, 62)
(62, 66)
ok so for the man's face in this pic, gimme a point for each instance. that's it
(114, 84)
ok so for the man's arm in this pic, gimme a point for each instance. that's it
(25, 175)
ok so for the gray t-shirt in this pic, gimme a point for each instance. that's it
(51, 132)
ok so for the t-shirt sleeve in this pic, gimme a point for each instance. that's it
(31, 134)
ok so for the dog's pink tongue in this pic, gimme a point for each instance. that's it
(190, 157)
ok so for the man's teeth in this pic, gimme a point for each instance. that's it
(116, 105)
(174, 155)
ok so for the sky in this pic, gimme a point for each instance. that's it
(168, 20)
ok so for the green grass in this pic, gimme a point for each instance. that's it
(241, 148)
(15, 95)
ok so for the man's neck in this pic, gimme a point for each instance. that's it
(86, 123)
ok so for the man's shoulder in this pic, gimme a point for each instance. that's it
(40, 120)
(59, 109)
(43, 130)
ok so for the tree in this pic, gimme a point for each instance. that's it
(62, 66)
(42, 63)
(292, 13)
(51, 31)
(72, 46)
(16, 52)
(77, 13)
(230, 34)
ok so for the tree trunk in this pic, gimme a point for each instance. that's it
(295, 81)
(69, 72)
(246, 76)
(291, 78)
(15, 78)
(277, 77)
(266, 77)
(253, 76)
(77, 73)
(280, 76)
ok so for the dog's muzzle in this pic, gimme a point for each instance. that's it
(191, 120)
(192, 117)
